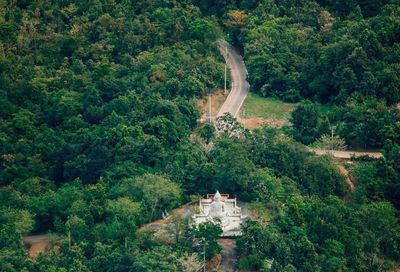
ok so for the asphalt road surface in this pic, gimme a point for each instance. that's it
(240, 86)
(240, 89)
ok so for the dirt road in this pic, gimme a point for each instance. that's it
(228, 253)
(347, 154)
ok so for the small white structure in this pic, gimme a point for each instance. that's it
(222, 210)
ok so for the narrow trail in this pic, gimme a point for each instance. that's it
(349, 182)
(228, 262)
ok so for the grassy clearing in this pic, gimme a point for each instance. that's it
(256, 106)
(266, 108)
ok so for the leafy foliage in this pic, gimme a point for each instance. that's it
(303, 50)
(344, 53)
(97, 120)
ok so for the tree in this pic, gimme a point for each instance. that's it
(24, 122)
(254, 245)
(124, 213)
(8, 33)
(321, 177)
(206, 235)
(207, 133)
(330, 142)
(77, 229)
(235, 21)
(23, 220)
(13, 257)
(380, 218)
(106, 257)
(191, 263)
(161, 258)
(368, 123)
(177, 228)
(123, 209)
(305, 119)
(231, 167)
(73, 259)
(157, 192)
(333, 255)
(229, 125)
(203, 29)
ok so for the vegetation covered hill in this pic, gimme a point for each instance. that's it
(342, 52)
(99, 133)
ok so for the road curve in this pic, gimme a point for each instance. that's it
(240, 86)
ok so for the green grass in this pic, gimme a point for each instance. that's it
(272, 108)
(267, 108)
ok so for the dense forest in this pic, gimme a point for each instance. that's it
(99, 132)
(341, 52)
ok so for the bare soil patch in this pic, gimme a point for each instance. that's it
(217, 99)
(349, 182)
(258, 122)
(214, 263)
(228, 262)
(182, 211)
(37, 244)
(348, 179)
(346, 154)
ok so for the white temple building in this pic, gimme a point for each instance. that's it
(222, 210)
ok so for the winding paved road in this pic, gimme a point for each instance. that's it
(240, 89)
(240, 86)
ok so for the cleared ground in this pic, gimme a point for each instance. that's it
(347, 154)
(267, 107)
(217, 99)
(258, 111)
(228, 254)
(37, 244)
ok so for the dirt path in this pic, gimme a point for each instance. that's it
(228, 253)
(346, 154)
(38, 244)
(349, 182)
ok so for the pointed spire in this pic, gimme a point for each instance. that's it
(217, 196)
